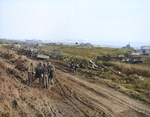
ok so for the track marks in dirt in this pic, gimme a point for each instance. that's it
(95, 105)
(89, 88)
(68, 95)
(87, 108)
(98, 93)
(105, 98)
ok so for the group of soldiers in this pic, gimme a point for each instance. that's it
(44, 71)
(73, 67)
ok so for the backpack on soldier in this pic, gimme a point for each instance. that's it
(51, 68)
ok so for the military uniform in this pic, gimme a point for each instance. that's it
(31, 73)
(72, 67)
(39, 72)
(51, 72)
(45, 76)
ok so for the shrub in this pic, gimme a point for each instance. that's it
(129, 69)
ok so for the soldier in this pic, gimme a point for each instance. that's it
(51, 70)
(31, 73)
(71, 64)
(45, 75)
(72, 67)
(39, 71)
(75, 67)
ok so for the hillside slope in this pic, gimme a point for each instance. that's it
(71, 96)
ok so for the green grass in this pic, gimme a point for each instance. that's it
(129, 69)
(85, 52)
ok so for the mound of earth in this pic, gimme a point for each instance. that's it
(71, 96)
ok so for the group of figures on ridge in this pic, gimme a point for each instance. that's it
(44, 71)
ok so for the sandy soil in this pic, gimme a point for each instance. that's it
(71, 96)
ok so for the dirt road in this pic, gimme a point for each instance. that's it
(71, 96)
(99, 97)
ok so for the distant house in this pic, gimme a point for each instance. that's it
(145, 50)
(145, 47)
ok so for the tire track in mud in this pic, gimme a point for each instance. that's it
(100, 93)
(92, 106)
(76, 98)
(97, 93)
(85, 102)
(65, 96)
(120, 101)
(89, 88)
(106, 95)
(131, 106)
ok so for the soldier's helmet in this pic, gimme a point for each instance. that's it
(44, 64)
(40, 63)
(48, 63)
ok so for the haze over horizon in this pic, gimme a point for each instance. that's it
(100, 22)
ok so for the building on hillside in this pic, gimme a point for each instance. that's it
(127, 46)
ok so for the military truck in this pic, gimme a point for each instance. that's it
(41, 55)
(132, 57)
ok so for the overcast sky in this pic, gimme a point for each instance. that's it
(102, 22)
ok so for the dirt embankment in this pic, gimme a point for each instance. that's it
(71, 96)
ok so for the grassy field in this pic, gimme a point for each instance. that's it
(85, 52)
(135, 79)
